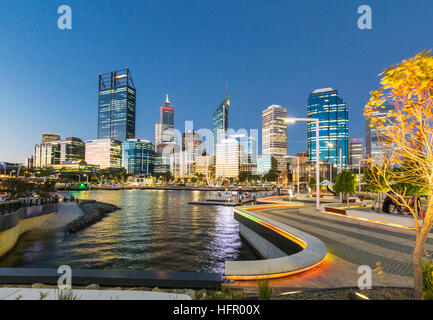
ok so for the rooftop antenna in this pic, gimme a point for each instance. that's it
(227, 90)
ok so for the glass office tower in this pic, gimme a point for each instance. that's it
(165, 125)
(137, 156)
(327, 105)
(116, 106)
(220, 121)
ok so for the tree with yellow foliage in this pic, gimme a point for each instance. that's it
(407, 132)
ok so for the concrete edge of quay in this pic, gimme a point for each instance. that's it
(114, 278)
(311, 252)
(13, 225)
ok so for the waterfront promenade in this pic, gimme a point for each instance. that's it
(349, 245)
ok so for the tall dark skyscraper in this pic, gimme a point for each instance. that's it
(327, 105)
(220, 121)
(165, 125)
(116, 106)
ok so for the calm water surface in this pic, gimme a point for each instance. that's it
(154, 230)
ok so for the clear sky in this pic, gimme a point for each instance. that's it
(270, 52)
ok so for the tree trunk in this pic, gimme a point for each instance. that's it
(347, 199)
(421, 236)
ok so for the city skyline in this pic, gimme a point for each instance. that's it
(60, 86)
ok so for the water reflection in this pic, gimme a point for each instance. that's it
(154, 230)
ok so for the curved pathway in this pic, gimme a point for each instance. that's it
(349, 246)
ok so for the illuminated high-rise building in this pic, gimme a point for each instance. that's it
(192, 143)
(327, 105)
(266, 163)
(356, 151)
(376, 147)
(274, 135)
(116, 106)
(106, 153)
(227, 159)
(220, 121)
(138, 156)
(165, 125)
(72, 150)
(248, 150)
(46, 154)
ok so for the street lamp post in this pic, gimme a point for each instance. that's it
(316, 121)
(341, 161)
(341, 154)
(359, 175)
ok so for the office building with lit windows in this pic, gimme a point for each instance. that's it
(356, 151)
(327, 105)
(72, 150)
(376, 148)
(266, 163)
(46, 154)
(50, 137)
(105, 153)
(161, 163)
(116, 106)
(220, 121)
(274, 136)
(227, 159)
(138, 156)
(192, 143)
(164, 132)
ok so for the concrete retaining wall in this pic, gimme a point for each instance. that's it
(278, 264)
(13, 225)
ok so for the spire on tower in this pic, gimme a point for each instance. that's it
(227, 94)
(166, 99)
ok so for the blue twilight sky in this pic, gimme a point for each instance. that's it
(270, 52)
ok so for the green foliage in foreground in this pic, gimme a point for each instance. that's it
(265, 291)
(345, 183)
(427, 272)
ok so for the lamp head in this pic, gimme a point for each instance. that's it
(289, 120)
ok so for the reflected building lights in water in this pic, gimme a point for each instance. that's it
(154, 230)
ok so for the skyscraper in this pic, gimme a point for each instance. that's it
(192, 143)
(375, 146)
(165, 125)
(116, 106)
(227, 159)
(327, 105)
(274, 135)
(248, 150)
(220, 121)
(356, 151)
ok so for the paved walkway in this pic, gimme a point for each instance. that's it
(54, 294)
(349, 246)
